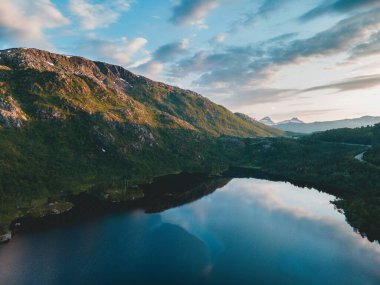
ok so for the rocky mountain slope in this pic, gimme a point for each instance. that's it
(40, 85)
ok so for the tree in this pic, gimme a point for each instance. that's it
(376, 134)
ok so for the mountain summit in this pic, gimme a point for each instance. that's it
(267, 121)
(293, 120)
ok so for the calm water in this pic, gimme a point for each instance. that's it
(248, 232)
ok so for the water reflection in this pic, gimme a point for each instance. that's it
(274, 225)
(248, 232)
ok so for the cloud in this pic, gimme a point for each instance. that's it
(169, 52)
(120, 51)
(154, 67)
(368, 48)
(335, 40)
(282, 38)
(338, 6)
(151, 69)
(192, 12)
(230, 65)
(218, 39)
(270, 6)
(95, 15)
(250, 64)
(249, 96)
(306, 113)
(264, 10)
(350, 84)
(238, 76)
(23, 22)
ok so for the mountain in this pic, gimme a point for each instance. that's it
(267, 121)
(60, 87)
(69, 124)
(291, 121)
(298, 126)
(259, 125)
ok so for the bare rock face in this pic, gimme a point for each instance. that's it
(103, 136)
(11, 114)
(103, 75)
(50, 114)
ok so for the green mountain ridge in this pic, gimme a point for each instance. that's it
(68, 124)
(60, 86)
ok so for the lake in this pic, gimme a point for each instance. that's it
(248, 231)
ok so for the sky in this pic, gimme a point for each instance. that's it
(312, 59)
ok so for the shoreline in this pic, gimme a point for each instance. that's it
(99, 204)
(90, 204)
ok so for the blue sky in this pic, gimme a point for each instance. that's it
(314, 59)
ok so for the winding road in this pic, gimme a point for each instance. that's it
(360, 157)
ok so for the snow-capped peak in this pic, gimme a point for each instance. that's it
(267, 121)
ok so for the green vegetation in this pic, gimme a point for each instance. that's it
(361, 179)
(364, 135)
(51, 208)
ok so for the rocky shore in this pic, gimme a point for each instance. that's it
(5, 237)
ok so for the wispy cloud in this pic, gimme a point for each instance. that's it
(171, 51)
(266, 8)
(338, 6)
(248, 96)
(367, 48)
(94, 15)
(218, 39)
(23, 22)
(152, 69)
(349, 84)
(121, 51)
(306, 113)
(166, 53)
(192, 12)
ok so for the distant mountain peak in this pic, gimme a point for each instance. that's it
(294, 120)
(267, 121)
(297, 126)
